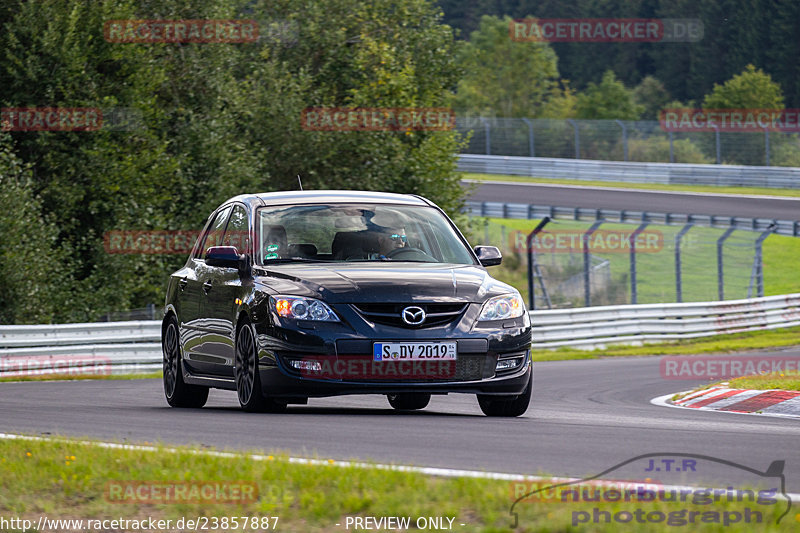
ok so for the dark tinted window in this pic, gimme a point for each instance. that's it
(215, 231)
(237, 233)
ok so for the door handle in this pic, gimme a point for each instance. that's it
(182, 283)
(206, 287)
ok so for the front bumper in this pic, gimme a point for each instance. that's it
(277, 383)
(345, 351)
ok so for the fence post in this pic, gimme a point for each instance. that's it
(529, 245)
(766, 145)
(577, 138)
(587, 263)
(757, 273)
(624, 139)
(678, 270)
(632, 238)
(530, 136)
(671, 149)
(488, 135)
(720, 266)
(719, 151)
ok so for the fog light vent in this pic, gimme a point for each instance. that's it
(508, 364)
(311, 366)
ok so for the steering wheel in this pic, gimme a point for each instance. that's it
(400, 252)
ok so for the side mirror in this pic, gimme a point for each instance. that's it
(226, 257)
(488, 255)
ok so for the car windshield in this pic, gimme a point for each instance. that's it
(358, 232)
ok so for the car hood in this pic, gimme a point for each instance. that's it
(382, 282)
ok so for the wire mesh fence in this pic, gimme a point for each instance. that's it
(623, 266)
(619, 140)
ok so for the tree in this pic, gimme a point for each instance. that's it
(651, 95)
(29, 291)
(609, 99)
(355, 54)
(752, 89)
(216, 119)
(509, 78)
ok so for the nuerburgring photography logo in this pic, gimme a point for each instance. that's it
(763, 495)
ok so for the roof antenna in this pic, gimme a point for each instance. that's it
(299, 182)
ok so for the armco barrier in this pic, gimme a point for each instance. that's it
(112, 347)
(633, 172)
(125, 347)
(596, 327)
(789, 228)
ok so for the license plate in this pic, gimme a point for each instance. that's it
(414, 351)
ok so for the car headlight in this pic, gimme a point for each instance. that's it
(302, 308)
(502, 307)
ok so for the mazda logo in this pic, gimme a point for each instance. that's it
(413, 315)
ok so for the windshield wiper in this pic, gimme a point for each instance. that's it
(388, 259)
(295, 260)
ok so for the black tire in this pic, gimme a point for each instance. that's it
(247, 376)
(409, 401)
(507, 405)
(178, 393)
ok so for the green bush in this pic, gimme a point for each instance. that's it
(657, 150)
(32, 266)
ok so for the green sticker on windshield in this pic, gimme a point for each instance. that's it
(271, 256)
(273, 247)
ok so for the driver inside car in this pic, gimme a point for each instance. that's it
(387, 242)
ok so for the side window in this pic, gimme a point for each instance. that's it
(238, 232)
(215, 231)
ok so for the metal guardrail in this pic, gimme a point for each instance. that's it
(530, 211)
(31, 350)
(79, 349)
(633, 172)
(593, 327)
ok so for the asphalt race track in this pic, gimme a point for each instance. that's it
(638, 200)
(585, 417)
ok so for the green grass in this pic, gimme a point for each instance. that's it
(734, 342)
(67, 479)
(764, 191)
(773, 380)
(71, 377)
(769, 381)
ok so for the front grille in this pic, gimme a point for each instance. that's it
(464, 368)
(470, 368)
(390, 314)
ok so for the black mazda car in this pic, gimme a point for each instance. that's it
(292, 295)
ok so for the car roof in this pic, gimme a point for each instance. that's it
(313, 197)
